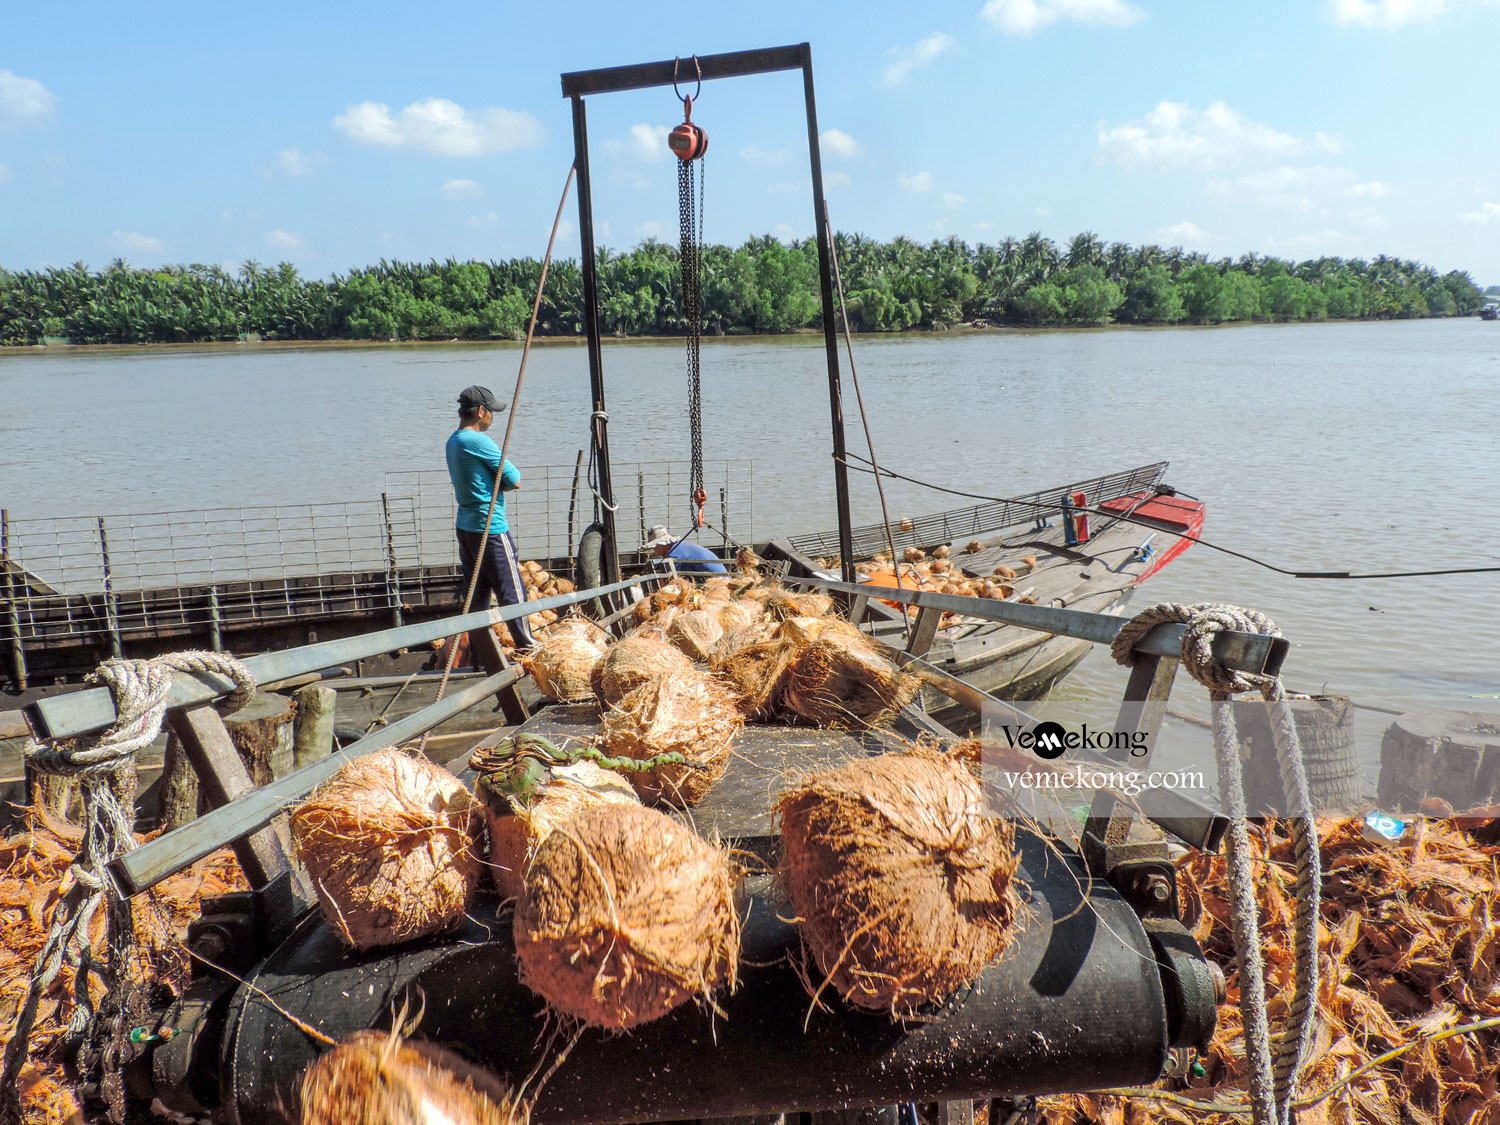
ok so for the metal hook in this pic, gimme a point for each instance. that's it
(698, 68)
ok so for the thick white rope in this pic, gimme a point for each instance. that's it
(140, 689)
(1274, 1071)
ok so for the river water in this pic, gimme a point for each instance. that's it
(1327, 446)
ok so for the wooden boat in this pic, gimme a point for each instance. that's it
(1145, 525)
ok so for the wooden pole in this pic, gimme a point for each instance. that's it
(312, 733)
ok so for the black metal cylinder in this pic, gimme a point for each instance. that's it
(1075, 1004)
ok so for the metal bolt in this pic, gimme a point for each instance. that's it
(1221, 987)
(210, 943)
(1156, 888)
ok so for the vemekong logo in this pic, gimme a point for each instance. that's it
(1050, 740)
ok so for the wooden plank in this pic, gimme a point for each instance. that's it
(79, 712)
(1141, 710)
(925, 630)
(222, 778)
(171, 853)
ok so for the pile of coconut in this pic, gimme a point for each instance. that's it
(938, 571)
(622, 913)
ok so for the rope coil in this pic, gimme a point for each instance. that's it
(1274, 1068)
(140, 689)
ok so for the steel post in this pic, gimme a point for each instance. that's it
(12, 609)
(111, 609)
(830, 329)
(599, 419)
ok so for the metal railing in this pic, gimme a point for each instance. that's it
(980, 519)
(105, 580)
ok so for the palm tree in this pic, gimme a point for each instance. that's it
(1083, 250)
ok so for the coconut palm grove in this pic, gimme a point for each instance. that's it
(762, 286)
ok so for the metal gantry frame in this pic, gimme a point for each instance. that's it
(579, 84)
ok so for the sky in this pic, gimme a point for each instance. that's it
(332, 135)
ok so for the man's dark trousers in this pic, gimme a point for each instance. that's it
(499, 573)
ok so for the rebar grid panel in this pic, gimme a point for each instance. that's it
(648, 492)
(199, 570)
(981, 519)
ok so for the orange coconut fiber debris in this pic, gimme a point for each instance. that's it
(33, 879)
(1410, 950)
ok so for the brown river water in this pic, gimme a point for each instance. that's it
(1328, 447)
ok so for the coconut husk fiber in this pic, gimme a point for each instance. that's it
(781, 604)
(579, 626)
(753, 661)
(562, 665)
(737, 614)
(33, 879)
(380, 1079)
(516, 831)
(632, 661)
(840, 679)
(692, 714)
(695, 633)
(390, 843)
(627, 914)
(1408, 941)
(904, 889)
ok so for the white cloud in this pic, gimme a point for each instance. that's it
(1296, 189)
(916, 183)
(752, 155)
(440, 127)
(603, 229)
(904, 60)
(650, 229)
(5, 174)
(1387, 13)
(24, 101)
(645, 143)
(784, 232)
(1043, 212)
(1022, 17)
(1306, 245)
(1185, 234)
(982, 226)
(1487, 213)
(952, 199)
(129, 242)
(295, 162)
(462, 189)
(285, 240)
(839, 143)
(488, 221)
(1174, 134)
(833, 181)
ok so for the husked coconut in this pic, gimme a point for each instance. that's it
(626, 915)
(840, 679)
(632, 661)
(696, 632)
(903, 888)
(562, 665)
(379, 1079)
(390, 842)
(517, 829)
(691, 714)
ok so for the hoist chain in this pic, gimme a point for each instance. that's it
(690, 229)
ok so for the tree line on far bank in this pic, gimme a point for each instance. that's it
(763, 286)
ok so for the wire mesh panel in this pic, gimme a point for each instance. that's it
(981, 519)
(555, 503)
(93, 578)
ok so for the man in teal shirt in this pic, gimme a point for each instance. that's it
(473, 461)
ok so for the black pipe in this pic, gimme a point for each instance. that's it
(830, 330)
(1075, 1004)
(599, 420)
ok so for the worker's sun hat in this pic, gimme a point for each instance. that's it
(655, 537)
(473, 397)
